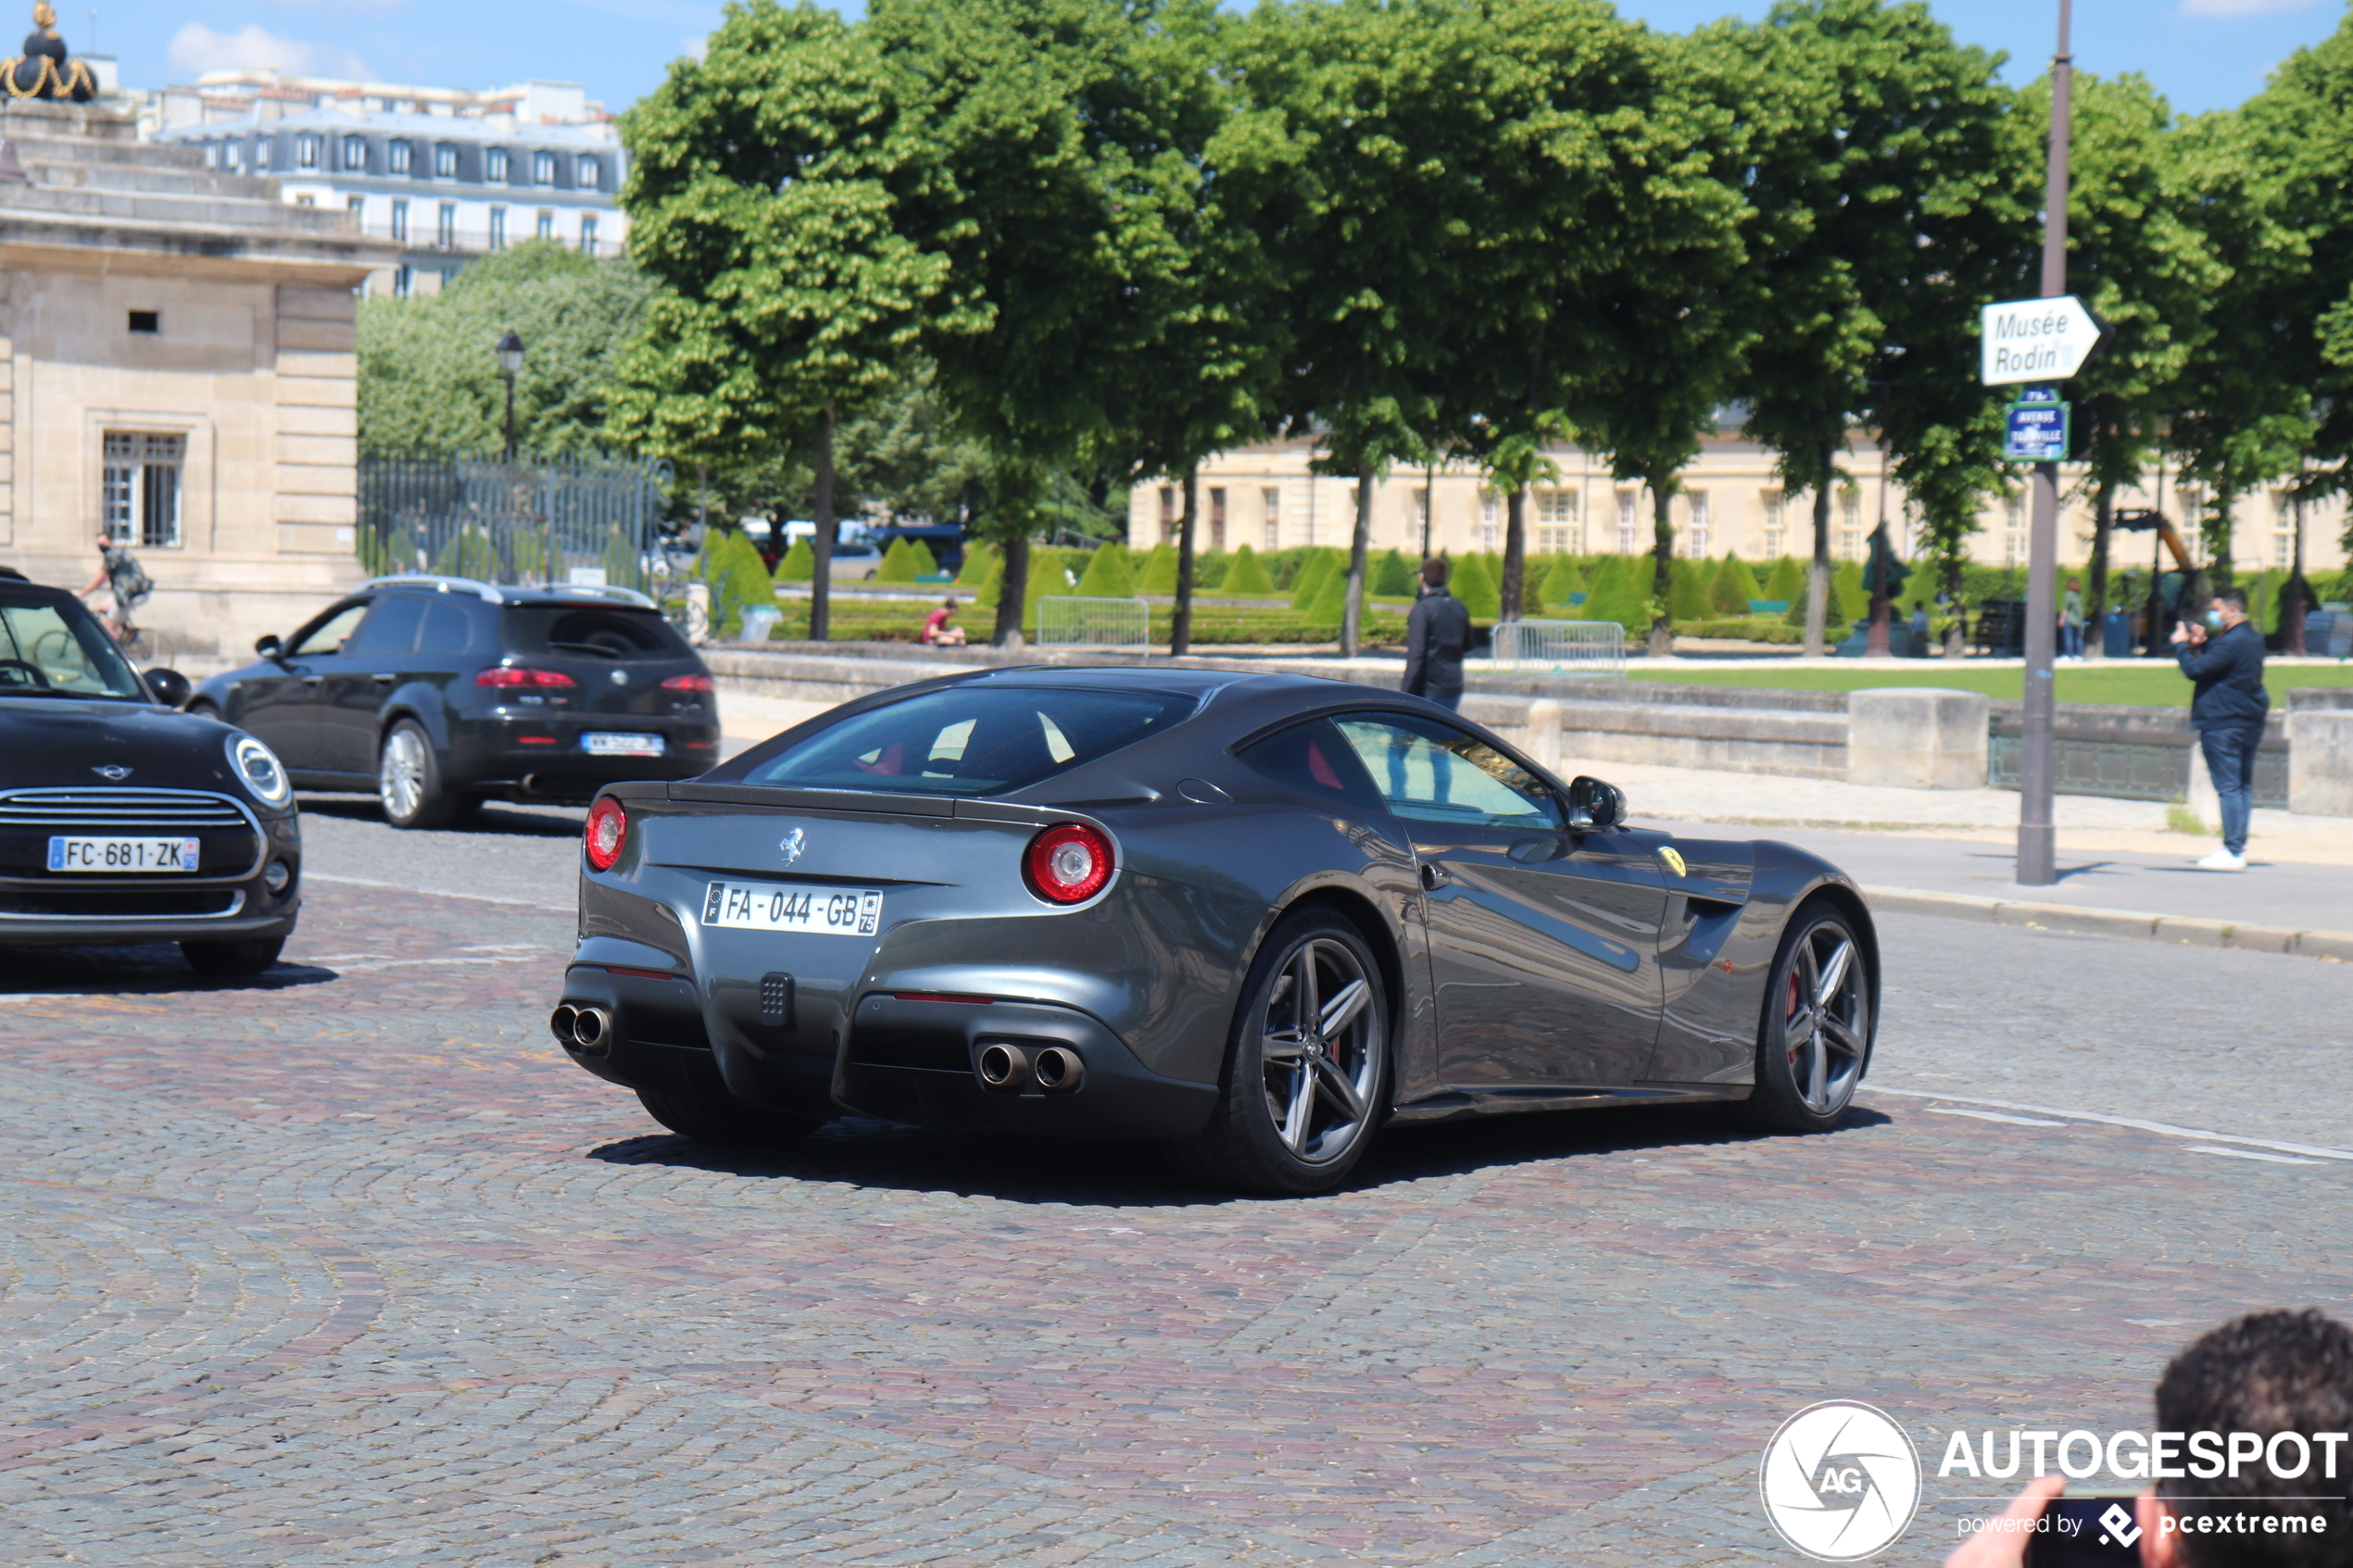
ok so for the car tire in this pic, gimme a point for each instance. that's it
(725, 1122)
(1299, 1105)
(408, 779)
(203, 709)
(1814, 1038)
(250, 955)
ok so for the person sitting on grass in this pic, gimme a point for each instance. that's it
(938, 634)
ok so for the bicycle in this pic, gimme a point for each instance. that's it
(143, 646)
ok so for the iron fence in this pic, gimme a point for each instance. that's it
(2085, 762)
(1070, 622)
(1561, 647)
(533, 520)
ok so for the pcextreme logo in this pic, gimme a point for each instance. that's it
(1840, 1481)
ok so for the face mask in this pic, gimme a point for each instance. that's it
(2214, 621)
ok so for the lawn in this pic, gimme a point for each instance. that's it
(2143, 682)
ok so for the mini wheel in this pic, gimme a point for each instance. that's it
(1815, 1037)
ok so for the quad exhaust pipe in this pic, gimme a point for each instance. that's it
(580, 1028)
(1055, 1070)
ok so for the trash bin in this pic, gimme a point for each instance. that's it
(759, 621)
(2116, 635)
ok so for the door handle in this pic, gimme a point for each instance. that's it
(1433, 877)
(312, 680)
(383, 680)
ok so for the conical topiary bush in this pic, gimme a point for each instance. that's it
(1247, 579)
(1310, 580)
(1393, 576)
(1687, 596)
(1473, 581)
(1108, 575)
(1563, 581)
(1159, 575)
(798, 564)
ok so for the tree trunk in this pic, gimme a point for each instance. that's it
(1180, 630)
(1956, 640)
(1013, 588)
(821, 582)
(2292, 607)
(1818, 585)
(2095, 602)
(1352, 615)
(1662, 638)
(1429, 509)
(1514, 552)
(2217, 541)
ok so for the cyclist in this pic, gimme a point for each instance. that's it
(125, 583)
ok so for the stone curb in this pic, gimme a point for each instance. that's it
(2072, 918)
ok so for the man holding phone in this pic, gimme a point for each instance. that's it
(2265, 1373)
(2222, 654)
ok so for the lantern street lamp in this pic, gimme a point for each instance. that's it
(510, 365)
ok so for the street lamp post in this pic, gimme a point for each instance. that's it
(510, 365)
(2037, 839)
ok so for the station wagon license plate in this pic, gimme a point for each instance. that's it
(105, 855)
(606, 743)
(844, 911)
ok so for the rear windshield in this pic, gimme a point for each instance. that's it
(594, 632)
(977, 739)
(54, 647)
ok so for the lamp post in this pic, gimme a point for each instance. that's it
(510, 365)
(2037, 839)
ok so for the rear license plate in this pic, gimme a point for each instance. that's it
(103, 855)
(844, 911)
(599, 742)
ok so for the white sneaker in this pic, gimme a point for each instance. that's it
(2223, 860)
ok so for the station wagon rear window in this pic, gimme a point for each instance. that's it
(594, 632)
(978, 739)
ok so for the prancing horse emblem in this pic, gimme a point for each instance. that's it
(793, 844)
(114, 770)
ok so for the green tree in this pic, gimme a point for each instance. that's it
(766, 191)
(1564, 581)
(1108, 575)
(899, 564)
(1473, 581)
(1687, 591)
(1787, 583)
(1732, 587)
(1878, 142)
(1392, 577)
(1318, 565)
(429, 382)
(798, 564)
(1159, 575)
(1246, 578)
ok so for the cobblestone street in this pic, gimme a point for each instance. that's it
(348, 1266)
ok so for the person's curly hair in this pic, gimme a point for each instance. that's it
(2266, 1373)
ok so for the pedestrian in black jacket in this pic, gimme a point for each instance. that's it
(2222, 653)
(1436, 635)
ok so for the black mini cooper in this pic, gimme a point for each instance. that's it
(123, 821)
(436, 693)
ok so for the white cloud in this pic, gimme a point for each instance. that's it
(196, 49)
(2243, 8)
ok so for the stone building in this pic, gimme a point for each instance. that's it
(1266, 496)
(179, 367)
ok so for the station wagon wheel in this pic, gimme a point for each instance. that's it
(1307, 1064)
(1814, 1038)
(408, 779)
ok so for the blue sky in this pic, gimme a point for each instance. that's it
(2202, 54)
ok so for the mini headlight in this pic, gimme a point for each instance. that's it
(257, 768)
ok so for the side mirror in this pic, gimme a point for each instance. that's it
(1594, 806)
(170, 687)
(268, 645)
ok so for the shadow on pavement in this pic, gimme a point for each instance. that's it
(863, 1153)
(493, 817)
(148, 970)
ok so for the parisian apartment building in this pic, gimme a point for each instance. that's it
(443, 175)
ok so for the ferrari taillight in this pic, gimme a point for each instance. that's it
(1068, 863)
(608, 831)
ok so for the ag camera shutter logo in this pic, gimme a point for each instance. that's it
(1840, 1481)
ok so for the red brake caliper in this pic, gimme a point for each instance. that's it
(1792, 1011)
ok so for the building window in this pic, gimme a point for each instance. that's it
(396, 156)
(498, 228)
(358, 207)
(1487, 521)
(211, 155)
(2014, 530)
(307, 198)
(1850, 526)
(1217, 519)
(445, 162)
(445, 229)
(1271, 499)
(149, 322)
(543, 168)
(494, 163)
(1695, 533)
(355, 154)
(547, 228)
(588, 234)
(141, 487)
(261, 153)
(400, 221)
(1557, 522)
(1168, 518)
(1625, 522)
(1776, 523)
(589, 173)
(402, 281)
(232, 156)
(306, 151)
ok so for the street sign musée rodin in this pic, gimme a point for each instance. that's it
(2035, 340)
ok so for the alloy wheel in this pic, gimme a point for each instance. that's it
(1320, 1049)
(1825, 1017)
(401, 775)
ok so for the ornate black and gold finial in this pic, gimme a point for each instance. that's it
(44, 71)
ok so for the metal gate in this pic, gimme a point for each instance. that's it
(533, 520)
(1561, 647)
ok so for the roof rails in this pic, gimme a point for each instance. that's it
(496, 594)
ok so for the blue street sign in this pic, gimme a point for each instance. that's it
(2037, 433)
